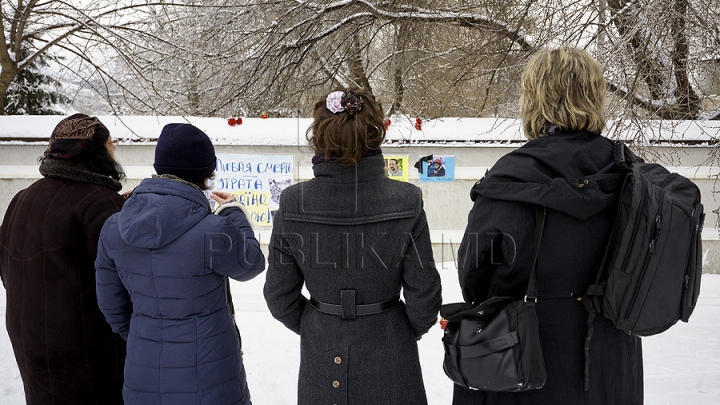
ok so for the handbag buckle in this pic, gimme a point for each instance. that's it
(531, 298)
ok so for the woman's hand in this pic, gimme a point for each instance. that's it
(222, 197)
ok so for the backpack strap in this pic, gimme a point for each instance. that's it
(624, 158)
(593, 298)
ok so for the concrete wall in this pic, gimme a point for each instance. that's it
(446, 204)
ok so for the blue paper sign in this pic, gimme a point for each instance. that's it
(439, 168)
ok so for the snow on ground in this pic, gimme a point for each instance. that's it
(682, 365)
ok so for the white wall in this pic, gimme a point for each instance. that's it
(446, 204)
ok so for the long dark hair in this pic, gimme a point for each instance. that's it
(96, 160)
(99, 161)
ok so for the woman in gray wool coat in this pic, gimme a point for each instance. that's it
(354, 238)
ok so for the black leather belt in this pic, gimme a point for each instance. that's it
(348, 309)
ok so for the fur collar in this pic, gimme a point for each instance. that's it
(75, 171)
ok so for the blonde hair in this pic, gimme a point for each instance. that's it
(565, 87)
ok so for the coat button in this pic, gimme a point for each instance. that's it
(338, 360)
(336, 384)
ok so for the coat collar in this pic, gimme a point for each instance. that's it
(75, 171)
(167, 186)
(367, 169)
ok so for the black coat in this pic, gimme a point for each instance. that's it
(574, 176)
(354, 228)
(66, 352)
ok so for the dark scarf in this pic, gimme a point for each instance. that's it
(75, 171)
(320, 158)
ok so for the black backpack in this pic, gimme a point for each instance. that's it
(650, 274)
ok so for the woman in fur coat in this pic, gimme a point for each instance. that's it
(66, 352)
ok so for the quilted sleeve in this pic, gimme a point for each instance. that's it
(113, 299)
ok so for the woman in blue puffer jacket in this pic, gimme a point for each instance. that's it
(162, 268)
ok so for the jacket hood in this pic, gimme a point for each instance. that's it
(159, 211)
(574, 173)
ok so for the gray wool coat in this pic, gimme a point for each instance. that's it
(353, 228)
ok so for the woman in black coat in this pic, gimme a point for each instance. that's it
(568, 167)
(66, 352)
(354, 238)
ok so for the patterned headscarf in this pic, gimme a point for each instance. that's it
(75, 135)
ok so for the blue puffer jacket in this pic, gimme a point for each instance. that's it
(162, 269)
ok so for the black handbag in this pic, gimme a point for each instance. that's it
(495, 345)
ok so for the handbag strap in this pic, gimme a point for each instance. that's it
(531, 293)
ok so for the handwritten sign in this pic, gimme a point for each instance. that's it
(256, 180)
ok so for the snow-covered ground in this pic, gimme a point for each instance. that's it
(682, 365)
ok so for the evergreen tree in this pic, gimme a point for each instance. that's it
(32, 92)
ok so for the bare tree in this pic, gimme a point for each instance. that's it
(656, 51)
(87, 32)
(426, 57)
(422, 58)
(430, 57)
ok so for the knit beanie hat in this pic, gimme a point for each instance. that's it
(185, 151)
(75, 136)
